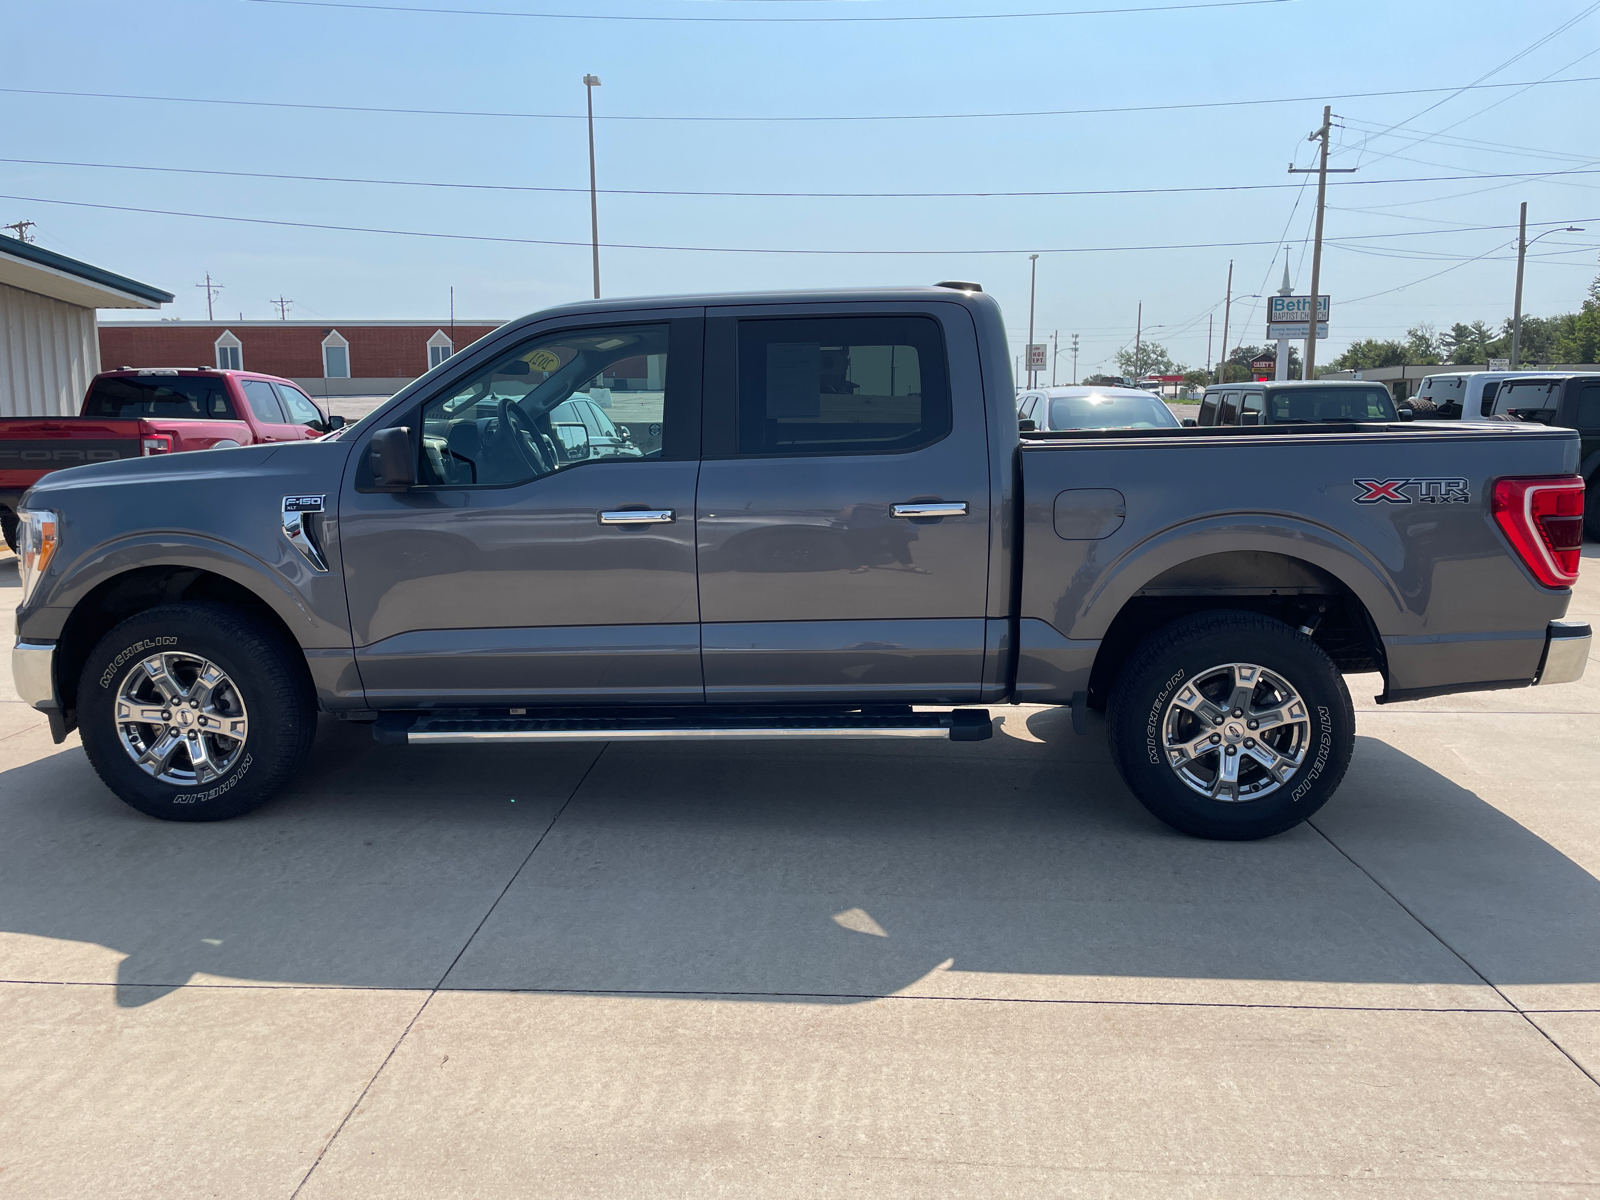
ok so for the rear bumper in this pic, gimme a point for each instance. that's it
(1566, 652)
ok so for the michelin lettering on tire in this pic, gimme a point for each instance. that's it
(1152, 727)
(213, 793)
(136, 648)
(1324, 748)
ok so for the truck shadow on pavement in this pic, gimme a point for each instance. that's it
(1016, 868)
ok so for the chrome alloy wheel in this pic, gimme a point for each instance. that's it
(1236, 732)
(181, 719)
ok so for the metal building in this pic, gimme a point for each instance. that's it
(49, 344)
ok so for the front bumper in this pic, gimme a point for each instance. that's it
(1566, 652)
(33, 670)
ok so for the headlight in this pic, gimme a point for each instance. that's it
(36, 546)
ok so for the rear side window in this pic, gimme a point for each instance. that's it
(1230, 409)
(1308, 404)
(1208, 409)
(841, 385)
(1589, 407)
(1252, 408)
(1525, 395)
(1490, 390)
(263, 401)
(193, 397)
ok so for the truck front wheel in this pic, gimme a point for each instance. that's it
(1230, 725)
(195, 712)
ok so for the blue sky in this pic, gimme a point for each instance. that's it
(241, 50)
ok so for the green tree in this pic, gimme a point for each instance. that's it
(1582, 343)
(1541, 338)
(1421, 346)
(1151, 359)
(1467, 345)
(1369, 354)
(1196, 379)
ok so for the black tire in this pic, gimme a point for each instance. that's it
(1143, 714)
(1591, 510)
(270, 687)
(8, 527)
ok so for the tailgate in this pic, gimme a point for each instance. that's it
(34, 446)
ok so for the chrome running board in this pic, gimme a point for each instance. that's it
(447, 729)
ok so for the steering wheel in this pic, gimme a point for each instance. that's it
(524, 435)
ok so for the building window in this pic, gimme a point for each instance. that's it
(230, 353)
(440, 347)
(335, 356)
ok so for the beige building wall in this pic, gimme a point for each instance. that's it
(49, 350)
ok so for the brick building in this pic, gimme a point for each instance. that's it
(327, 358)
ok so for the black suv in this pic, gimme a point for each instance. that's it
(1296, 403)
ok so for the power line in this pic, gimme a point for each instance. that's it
(475, 237)
(1514, 176)
(745, 119)
(562, 16)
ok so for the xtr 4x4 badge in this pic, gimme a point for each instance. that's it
(1429, 491)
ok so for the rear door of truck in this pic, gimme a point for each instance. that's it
(843, 507)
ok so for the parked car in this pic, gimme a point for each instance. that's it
(585, 431)
(154, 410)
(1297, 403)
(1452, 396)
(1058, 408)
(842, 535)
(1570, 401)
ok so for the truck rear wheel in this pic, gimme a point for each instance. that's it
(195, 712)
(1230, 725)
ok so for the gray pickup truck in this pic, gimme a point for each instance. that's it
(822, 522)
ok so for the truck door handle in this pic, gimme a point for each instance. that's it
(955, 509)
(639, 516)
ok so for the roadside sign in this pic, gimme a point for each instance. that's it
(1499, 364)
(1267, 363)
(1038, 356)
(1294, 333)
(1295, 310)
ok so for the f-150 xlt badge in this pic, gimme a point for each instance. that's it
(295, 511)
(1429, 491)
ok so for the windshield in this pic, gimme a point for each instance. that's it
(1290, 406)
(1111, 412)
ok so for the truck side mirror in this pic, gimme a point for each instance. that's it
(1190, 423)
(335, 421)
(394, 469)
(1027, 425)
(1407, 413)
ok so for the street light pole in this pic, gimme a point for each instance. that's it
(1138, 339)
(1055, 353)
(1227, 311)
(1522, 253)
(1074, 360)
(1033, 277)
(590, 82)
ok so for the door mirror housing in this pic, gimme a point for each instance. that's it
(1250, 418)
(1026, 425)
(394, 467)
(1190, 423)
(1407, 413)
(334, 421)
(574, 439)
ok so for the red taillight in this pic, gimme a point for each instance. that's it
(1543, 517)
(157, 443)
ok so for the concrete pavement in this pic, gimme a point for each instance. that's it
(904, 970)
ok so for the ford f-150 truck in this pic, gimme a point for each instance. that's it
(132, 413)
(840, 533)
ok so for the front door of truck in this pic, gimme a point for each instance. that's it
(843, 512)
(527, 565)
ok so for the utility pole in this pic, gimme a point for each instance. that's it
(590, 82)
(1309, 371)
(1280, 368)
(211, 294)
(1227, 311)
(1209, 319)
(1074, 360)
(452, 314)
(1033, 278)
(1055, 353)
(1138, 337)
(283, 306)
(1516, 312)
(20, 229)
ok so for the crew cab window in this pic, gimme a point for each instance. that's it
(1588, 418)
(1486, 405)
(538, 409)
(841, 385)
(263, 401)
(1208, 409)
(1230, 409)
(193, 397)
(1296, 405)
(298, 405)
(1252, 409)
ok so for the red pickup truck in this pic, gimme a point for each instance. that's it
(153, 410)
